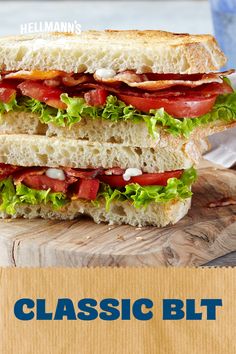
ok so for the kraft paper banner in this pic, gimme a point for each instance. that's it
(26, 294)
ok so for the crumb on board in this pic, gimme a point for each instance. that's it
(88, 237)
(139, 238)
(120, 237)
(80, 242)
(138, 228)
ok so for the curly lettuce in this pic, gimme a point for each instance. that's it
(12, 105)
(139, 196)
(12, 195)
(115, 110)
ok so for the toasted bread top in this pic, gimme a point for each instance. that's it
(141, 51)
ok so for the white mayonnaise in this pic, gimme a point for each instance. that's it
(56, 173)
(131, 172)
(105, 73)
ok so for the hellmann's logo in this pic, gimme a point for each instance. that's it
(50, 26)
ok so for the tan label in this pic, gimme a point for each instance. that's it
(50, 293)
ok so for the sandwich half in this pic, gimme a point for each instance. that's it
(109, 124)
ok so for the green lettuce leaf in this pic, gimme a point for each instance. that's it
(115, 110)
(10, 106)
(176, 189)
(141, 196)
(12, 195)
(8, 196)
(46, 113)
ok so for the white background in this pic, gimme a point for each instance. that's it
(175, 16)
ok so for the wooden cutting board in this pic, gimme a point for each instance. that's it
(204, 234)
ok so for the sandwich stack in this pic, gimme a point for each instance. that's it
(108, 124)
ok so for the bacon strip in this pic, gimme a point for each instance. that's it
(35, 74)
(143, 82)
(20, 175)
(117, 171)
(149, 81)
(71, 81)
(80, 173)
(7, 170)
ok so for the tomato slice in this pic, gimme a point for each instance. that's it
(7, 92)
(179, 107)
(180, 102)
(43, 182)
(96, 97)
(146, 179)
(86, 189)
(42, 93)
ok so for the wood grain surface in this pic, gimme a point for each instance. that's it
(203, 235)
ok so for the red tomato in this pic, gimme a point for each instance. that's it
(147, 179)
(86, 189)
(96, 97)
(7, 92)
(42, 92)
(43, 182)
(178, 107)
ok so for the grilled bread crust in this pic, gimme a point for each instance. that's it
(37, 150)
(141, 51)
(156, 214)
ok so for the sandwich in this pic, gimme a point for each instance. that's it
(108, 124)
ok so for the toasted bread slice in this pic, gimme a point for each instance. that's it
(36, 150)
(141, 51)
(126, 133)
(156, 214)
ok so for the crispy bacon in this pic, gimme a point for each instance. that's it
(147, 81)
(43, 182)
(7, 170)
(83, 173)
(117, 171)
(35, 74)
(155, 82)
(72, 81)
(53, 82)
(204, 90)
(24, 172)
